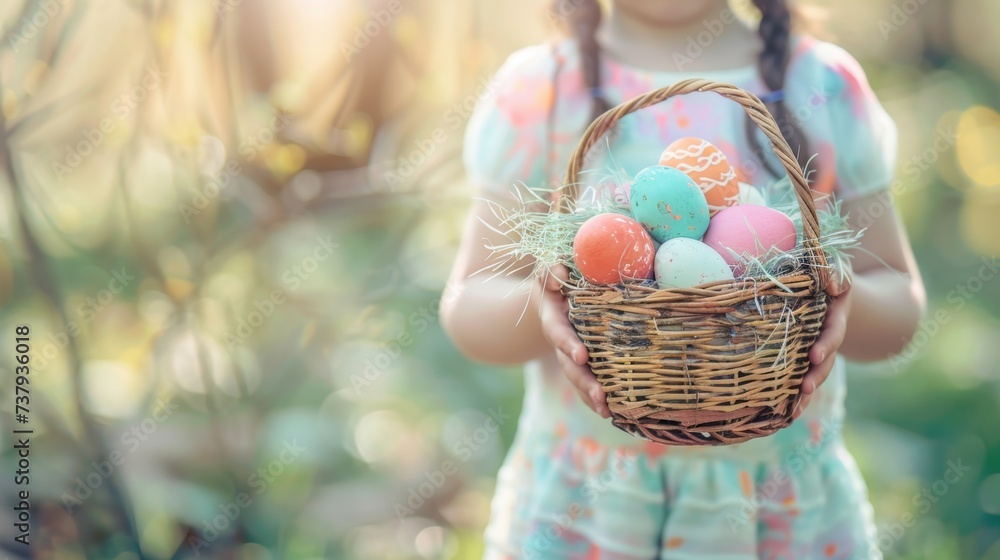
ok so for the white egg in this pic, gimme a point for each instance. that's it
(750, 194)
(685, 263)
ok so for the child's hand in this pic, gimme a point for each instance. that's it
(570, 351)
(824, 351)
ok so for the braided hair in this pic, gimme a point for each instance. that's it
(582, 18)
(775, 31)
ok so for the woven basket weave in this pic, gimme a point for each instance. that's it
(716, 364)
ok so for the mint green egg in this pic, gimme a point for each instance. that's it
(668, 204)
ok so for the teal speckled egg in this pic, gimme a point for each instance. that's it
(668, 204)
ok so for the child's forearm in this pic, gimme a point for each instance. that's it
(886, 307)
(489, 321)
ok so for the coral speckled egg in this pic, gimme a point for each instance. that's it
(686, 263)
(749, 229)
(708, 166)
(750, 194)
(612, 248)
(668, 204)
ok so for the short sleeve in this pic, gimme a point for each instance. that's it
(506, 140)
(854, 138)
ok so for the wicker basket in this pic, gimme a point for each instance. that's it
(716, 364)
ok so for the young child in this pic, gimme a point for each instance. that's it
(574, 486)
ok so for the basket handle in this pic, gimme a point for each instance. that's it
(757, 112)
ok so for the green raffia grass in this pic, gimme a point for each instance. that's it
(535, 233)
(540, 239)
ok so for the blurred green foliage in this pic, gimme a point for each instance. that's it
(274, 379)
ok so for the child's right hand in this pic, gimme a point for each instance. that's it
(570, 351)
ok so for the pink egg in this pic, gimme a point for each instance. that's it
(749, 229)
(613, 248)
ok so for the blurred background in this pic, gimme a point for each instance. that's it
(227, 224)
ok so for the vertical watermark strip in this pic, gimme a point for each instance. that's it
(22, 435)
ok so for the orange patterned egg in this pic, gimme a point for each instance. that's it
(708, 167)
(613, 248)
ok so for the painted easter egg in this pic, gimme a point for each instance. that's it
(709, 168)
(685, 263)
(750, 229)
(612, 248)
(750, 194)
(668, 204)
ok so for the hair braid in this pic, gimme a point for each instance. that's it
(582, 18)
(775, 33)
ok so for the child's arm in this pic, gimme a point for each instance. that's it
(886, 303)
(492, 318)
(481, 313)
(879, 312)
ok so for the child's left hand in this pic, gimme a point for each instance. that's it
(824, 350)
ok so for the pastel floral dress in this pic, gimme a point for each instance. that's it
(572, 485)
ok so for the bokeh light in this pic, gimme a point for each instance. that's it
(197, 215)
